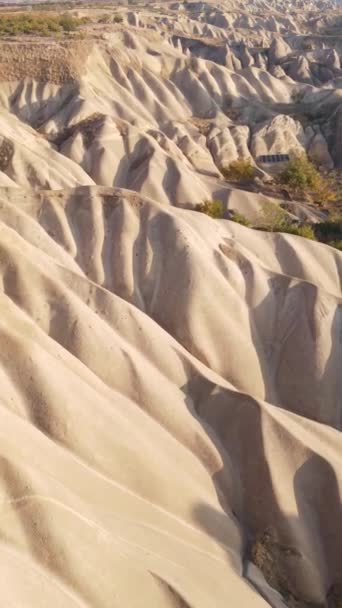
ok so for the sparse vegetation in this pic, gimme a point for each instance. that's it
(314, 232)
(300, 174)
(326, 193)
(213, 208)
(304, 230)
(272, 217)
(15, 24)
(240, 170)
(303, 179)
(237, 217)
(108, 18)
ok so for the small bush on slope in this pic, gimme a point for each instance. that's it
(212, 208)
(240, 170)
(304, 230)
(272, 217)
(300, 174)
(237, 217)
(302, 177)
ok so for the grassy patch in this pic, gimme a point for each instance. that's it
(272, 218)
(304, 230)
(237, 217)
(16, 24)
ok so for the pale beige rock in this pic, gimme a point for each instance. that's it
(122, 404)
(171, 409)
(281, 135)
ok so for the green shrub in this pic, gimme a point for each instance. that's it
(240, 170)
(53, 26)
(305, 230)
(213, 208)
(271, 217)
(303, 179)
(15, 24)
(335, 244)
(68, 23)
(301, 175)
(237, 217)
(117, 19)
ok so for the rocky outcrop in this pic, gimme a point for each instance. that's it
(299, 70)
(318, 151)
(279, 49)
